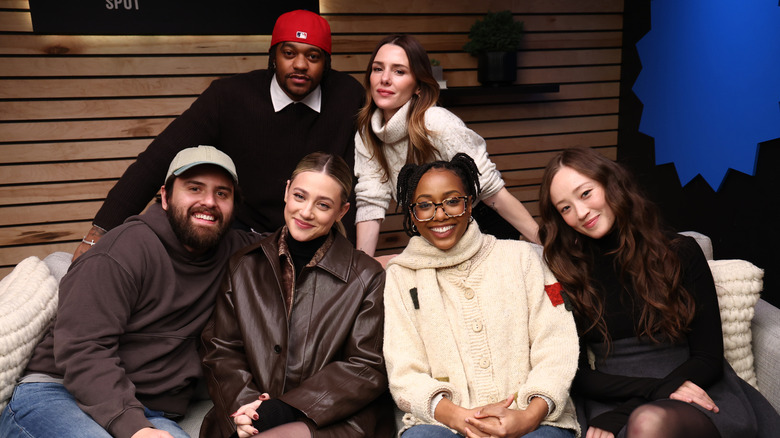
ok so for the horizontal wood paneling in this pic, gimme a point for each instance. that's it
(470, 6)
(76, 109)
(50, 193)
(102, 87)
(43, 213)
(44, 233)
(79, 129)
(70, 151)
(65, 171)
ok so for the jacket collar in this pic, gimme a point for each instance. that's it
(337, 261)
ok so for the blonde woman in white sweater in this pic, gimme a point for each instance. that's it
(478, 340)
(400, 124)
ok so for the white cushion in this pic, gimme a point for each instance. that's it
(738, 284)
(28, 302)
(58, 263)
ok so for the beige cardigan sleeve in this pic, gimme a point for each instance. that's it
(409, 374)
(553, 338)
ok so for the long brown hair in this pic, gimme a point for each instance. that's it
(645, 252)
(335, 167)
(421, 148)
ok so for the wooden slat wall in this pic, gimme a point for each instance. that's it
(76, 110)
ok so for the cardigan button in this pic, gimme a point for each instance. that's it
(484, 362)
(469, 294)
(277, 348)
(477, 326)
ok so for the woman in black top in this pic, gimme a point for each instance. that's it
(646, 307)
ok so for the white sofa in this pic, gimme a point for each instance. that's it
(765, 330)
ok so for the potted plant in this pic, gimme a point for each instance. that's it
(494, 40)
(438, 73)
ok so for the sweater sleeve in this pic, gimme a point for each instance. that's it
(373, 190)
(553, 339)
(409, 373)
(87, 348)
(140, 182)
(451, 136)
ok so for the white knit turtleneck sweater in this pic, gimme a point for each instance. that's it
(449, 136)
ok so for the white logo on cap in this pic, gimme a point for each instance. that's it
(301, 34)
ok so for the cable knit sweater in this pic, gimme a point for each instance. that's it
(449, 136)
(475, 323)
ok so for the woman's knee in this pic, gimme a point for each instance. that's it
(646, 421)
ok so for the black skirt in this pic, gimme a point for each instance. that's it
(743, 411)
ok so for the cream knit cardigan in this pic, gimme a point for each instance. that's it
(449, 136)
(475, 323)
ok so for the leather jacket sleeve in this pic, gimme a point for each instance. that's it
(225, 366)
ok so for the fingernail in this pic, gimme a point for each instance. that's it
(234, 414)
(255, 416)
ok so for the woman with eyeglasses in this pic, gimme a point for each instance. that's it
(478, 341)
(401, 124)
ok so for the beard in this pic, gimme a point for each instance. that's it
(193, 236)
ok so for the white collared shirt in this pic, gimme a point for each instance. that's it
(281, 100)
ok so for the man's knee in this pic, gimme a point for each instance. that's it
(46, 410)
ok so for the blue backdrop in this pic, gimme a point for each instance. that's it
(710, 84)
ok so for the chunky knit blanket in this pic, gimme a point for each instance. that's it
(28, 302)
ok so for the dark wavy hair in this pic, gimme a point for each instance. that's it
(645, 252)
(461, 165)
(421, 148)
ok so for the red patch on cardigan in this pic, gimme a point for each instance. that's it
(554, 293)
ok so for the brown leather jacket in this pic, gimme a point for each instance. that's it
(326, 360)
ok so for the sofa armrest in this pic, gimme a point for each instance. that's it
(766, 350)
(704, 242)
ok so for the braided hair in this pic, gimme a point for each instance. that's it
(461, 165)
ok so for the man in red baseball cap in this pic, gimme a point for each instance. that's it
(266, 120)
(300, 52)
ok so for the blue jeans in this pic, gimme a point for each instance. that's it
(49, 410)
(434, 431)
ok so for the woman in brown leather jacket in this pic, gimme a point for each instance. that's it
(294, 347)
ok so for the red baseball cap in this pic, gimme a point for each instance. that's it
(302, 27)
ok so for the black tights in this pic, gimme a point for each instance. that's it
(669, 419)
